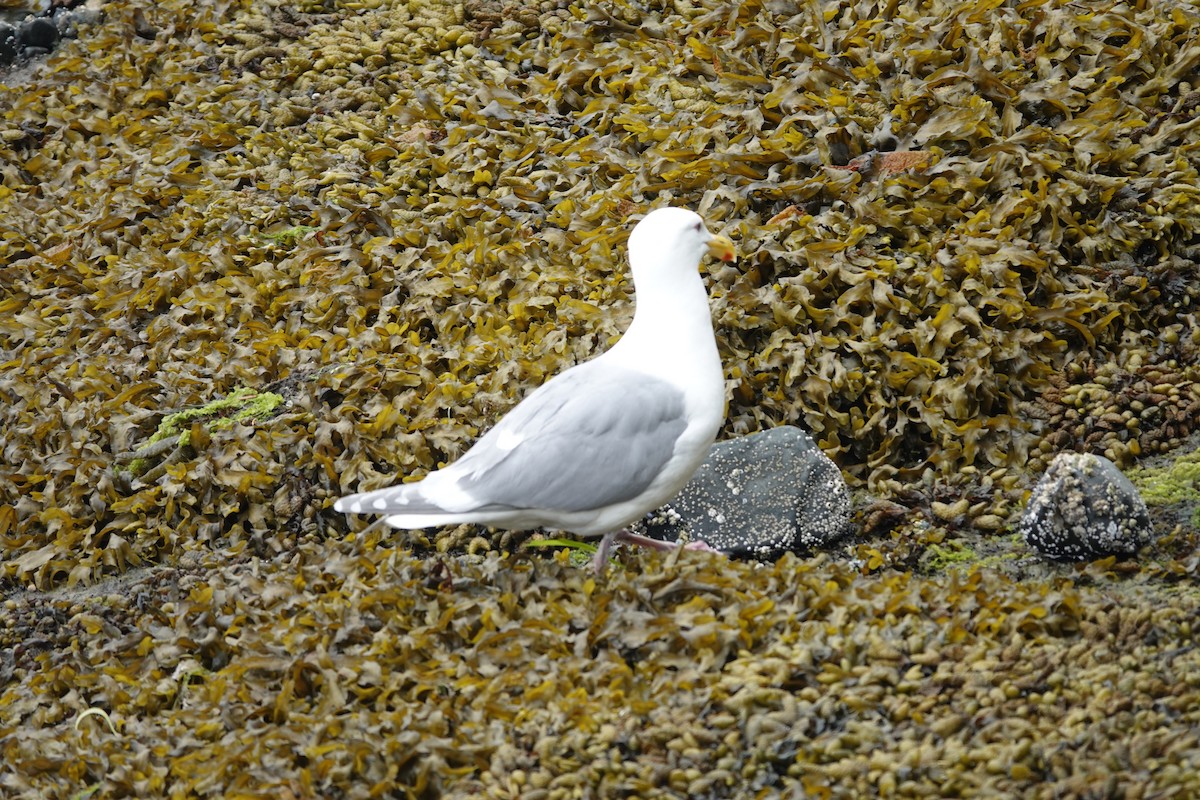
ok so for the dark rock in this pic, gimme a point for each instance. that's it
(1084, 508)
(9, 43)
(39, 33)
(759, 496)
(142, 26)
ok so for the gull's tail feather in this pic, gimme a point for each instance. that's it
(407, 506)
(402, 500)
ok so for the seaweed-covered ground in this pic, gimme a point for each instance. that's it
(255, 255)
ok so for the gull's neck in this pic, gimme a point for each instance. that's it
(672, 333)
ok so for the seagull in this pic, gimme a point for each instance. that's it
(604, 442)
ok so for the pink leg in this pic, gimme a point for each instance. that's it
(605, 547)
(603, 550)
(659, 544)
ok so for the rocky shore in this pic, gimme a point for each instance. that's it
(256, 255)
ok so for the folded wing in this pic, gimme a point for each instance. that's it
(592, 436)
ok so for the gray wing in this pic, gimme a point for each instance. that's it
(593, 436)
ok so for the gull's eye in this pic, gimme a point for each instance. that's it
(697, 225)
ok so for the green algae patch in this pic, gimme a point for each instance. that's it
(241, 405)
(1174, 487)
(177, 430)
(581, 554)
(288, 237)
(1178, 482)
(951, 553)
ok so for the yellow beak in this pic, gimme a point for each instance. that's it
(722, 248)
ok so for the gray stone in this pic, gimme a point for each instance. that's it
(1084, 508)
(39, 34)
(759, 496)
(10, 43)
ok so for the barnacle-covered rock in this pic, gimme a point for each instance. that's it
(759, 496)
(1084, 508)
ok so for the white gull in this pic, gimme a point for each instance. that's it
(606, 441)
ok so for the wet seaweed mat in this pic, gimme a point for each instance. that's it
(361, 671)
(434, 198)
(971, 242)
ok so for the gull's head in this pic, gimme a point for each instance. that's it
(675, 237)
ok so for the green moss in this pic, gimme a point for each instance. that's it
(136, 467)
(1177, 483)
(289, 236)
(175, 431)
(239, 406)
(950, 554)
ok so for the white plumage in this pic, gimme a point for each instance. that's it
(603, 443)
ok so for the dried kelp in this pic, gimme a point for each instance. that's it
(357, 670)
(969, 238)
(975, 200)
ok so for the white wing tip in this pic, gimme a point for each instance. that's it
(378, 502)
(389, 501)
